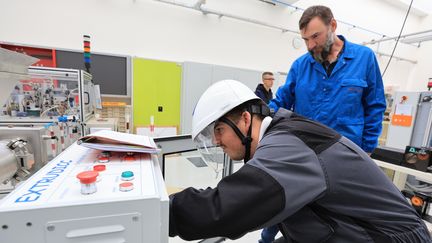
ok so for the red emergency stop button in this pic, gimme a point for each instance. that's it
(87, 177)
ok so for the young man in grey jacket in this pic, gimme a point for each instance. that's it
(315, 184)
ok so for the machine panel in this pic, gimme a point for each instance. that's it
(126, 202)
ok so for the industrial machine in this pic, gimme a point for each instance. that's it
(411, 120)
(45, 113)
(410, 131)
(64, 97)
(86, 195)
(23, 151)
(96, 124)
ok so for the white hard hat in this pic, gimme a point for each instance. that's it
(218, 100)
(215, 102)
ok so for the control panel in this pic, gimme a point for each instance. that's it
(87, 195)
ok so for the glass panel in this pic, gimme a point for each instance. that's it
(51, 98)
(190, 170)
(89, 99)
(49, 93)
(42, 97)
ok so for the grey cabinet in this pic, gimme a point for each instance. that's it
(197, 77)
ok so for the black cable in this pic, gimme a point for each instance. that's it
(397, 40)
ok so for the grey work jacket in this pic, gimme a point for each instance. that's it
(316, 184)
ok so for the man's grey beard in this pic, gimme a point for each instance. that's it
(322, 56)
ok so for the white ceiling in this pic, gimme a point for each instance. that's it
(421, 8)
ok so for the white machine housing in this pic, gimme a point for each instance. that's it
(49, 206)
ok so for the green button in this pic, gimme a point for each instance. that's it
(127, 174)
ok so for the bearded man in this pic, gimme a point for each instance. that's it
(337, 83)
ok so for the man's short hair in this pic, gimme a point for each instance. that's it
(266, 73)
(237, 111)
(323, 12)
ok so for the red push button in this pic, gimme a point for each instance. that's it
(87, 177)
(99, 168)
(103, 159)
(126, 186)
(129, 158)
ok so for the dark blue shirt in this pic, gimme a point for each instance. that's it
(265, 95)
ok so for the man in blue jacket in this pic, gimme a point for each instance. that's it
(337, 83)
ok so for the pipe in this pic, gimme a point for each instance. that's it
(221, 14)
(395, 37)
(199, 7)
(397, 58)
(340, 21)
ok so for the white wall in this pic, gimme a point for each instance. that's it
(155, 30)
(423, 70)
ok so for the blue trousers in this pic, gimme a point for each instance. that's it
(268, 234)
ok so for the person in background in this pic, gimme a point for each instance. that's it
(337, 83)
(317, 185)
(264, 90)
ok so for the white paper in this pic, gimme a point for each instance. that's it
(120, 148)
(403, 109)
(118, 141)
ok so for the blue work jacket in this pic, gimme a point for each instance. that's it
(351, 100)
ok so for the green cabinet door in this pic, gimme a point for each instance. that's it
(156, 92)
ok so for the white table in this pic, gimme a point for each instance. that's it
(401, 173)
